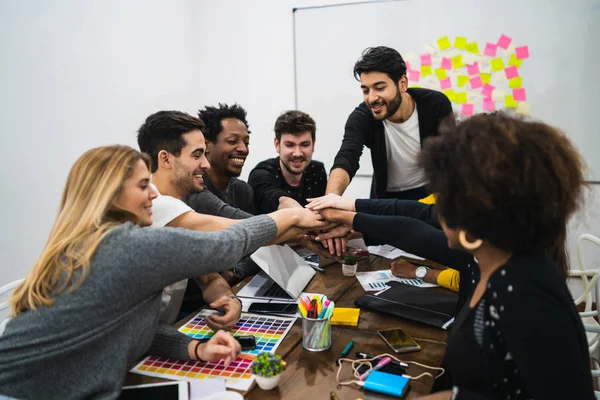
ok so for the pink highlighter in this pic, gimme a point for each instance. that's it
(379, 365)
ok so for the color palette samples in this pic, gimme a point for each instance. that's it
(269, 332)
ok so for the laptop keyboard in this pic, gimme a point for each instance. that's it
(276, 291)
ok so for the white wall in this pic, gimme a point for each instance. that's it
(80, 74)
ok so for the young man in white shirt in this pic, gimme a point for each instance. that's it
(176, 145)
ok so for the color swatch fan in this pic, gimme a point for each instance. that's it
(268, 331)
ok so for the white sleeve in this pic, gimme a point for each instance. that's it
(165, 209)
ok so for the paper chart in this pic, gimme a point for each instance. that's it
(268, 330)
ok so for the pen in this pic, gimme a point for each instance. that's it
(367, 355)
(379, 365)
(346, 349)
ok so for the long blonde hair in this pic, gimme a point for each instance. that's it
(86, 215)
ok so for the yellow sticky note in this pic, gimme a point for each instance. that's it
(514, 62)
(462, 80)
(485, 78)
(523, 109)
(497, 64)
(450, 94)
(440, 73)
(473, 98)
(460, 42)
(461, 97)
(515, 83)
(415, 86)
(425, 70)
(457, 61)
(472, 47)
(510, 102)
(444, 43)
(345, 316)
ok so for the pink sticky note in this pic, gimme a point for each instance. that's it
(511, 72)
(467, 109)
(414, 76)
(519, 94)
(473, 69)
(490, 49)
(445, 84)
(522, 52)
(504, 41)
(489, 105)
(425, 59)
(475, 82)
(446, 63)
(487, 90)
(407, 65)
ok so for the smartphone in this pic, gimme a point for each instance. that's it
(156, 391)
(273, 308)
(399, 341)
(246, 342)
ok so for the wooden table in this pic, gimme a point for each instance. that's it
(311, 375)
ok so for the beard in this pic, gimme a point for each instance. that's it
(391, 107)
(290, 170)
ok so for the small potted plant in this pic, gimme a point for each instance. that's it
(349, 266)
(267, 369)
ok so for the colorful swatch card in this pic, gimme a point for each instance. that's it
(269, 332)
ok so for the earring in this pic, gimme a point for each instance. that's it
(462, 238)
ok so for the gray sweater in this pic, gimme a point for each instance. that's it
(83, 345)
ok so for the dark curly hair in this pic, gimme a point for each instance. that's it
(212, 117)
(295, 122)
(163, 131)
(509, 181)
(381, 59)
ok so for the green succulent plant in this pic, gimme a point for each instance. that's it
(267, 365)
(350, 260)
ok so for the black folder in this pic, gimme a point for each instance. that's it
(431, 307)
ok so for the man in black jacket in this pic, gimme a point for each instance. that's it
(393, 121)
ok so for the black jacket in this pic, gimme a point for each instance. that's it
(363, 130)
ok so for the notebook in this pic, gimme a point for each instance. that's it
(431, 307)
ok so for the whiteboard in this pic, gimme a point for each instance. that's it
(560, 76)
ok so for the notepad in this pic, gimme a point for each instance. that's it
(345, 316)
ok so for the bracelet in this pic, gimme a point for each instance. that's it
(196, 350)
(233, 296)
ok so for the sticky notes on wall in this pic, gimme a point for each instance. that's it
(497, 64)
(488, 80)
(460, 43)
(522, 52)
(472, 48)
(523, 109)
(515, 83)
(490, 49)
(509, 102)
(467, 109)
(504, 41)
(444, 43)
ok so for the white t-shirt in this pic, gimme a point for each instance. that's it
(164, 210)
(403, 144)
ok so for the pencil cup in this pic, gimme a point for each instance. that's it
(316, 334)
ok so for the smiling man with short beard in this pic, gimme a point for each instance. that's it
(393, 121)
(227, 146)
(288, 180)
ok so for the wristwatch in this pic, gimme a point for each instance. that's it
(233, 296)
(420, 272)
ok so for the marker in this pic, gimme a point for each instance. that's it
(324, 309)
(379, 365)
(333, 396)
(367, 355)
(346, 349)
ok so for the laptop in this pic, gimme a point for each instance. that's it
(283, 277)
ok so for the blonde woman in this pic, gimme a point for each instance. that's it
(89, 308)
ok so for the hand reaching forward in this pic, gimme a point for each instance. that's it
(331, 201)
(220, 346)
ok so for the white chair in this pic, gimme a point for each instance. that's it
(5, 289)
(589, 278)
